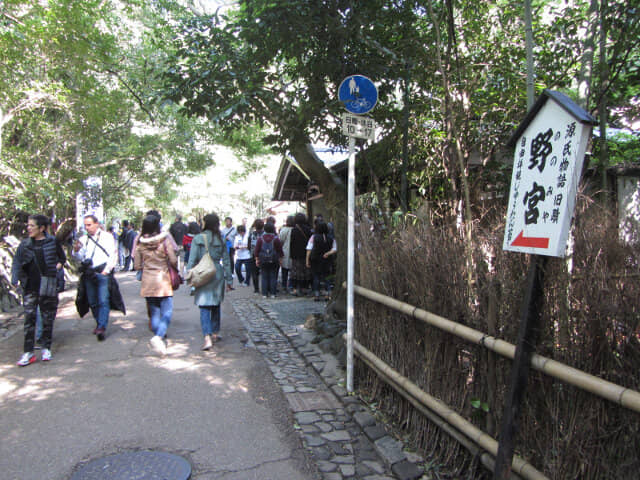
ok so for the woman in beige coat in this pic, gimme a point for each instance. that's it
(153, 253)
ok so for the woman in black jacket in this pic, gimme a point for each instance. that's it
(35, 266)
(300, 234)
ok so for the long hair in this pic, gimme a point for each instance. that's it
(212, 223)
(258, 225)
(300, 219)
(150, 225)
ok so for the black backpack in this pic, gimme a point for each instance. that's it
(267, 252)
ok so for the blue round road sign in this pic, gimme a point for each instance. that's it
(358, 94)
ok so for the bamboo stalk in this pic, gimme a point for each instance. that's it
(485, 458)
(623, 396)
(484, 441)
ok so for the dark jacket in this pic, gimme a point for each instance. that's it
(116, 302)
(299, 238)
(127, 239)
(28, 267)
(321, 245)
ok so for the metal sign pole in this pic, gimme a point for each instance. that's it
(351, 195)
(359, 96)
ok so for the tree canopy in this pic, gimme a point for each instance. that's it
(129, 91)
(451, 74)
(79, 84)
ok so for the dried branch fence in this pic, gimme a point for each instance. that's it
(625, 397)
(580, 417)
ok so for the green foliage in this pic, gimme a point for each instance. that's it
(79, 83)
(130, 91)
(623, 148)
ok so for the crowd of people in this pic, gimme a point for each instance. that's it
(301, 255)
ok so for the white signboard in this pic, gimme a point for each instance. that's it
(547, 165)
(358, 126)
(89, 202)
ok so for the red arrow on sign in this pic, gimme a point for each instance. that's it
(533, 242)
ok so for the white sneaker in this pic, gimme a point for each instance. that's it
(158, 345)
(27, 358)
(207, 343)
(46, 354)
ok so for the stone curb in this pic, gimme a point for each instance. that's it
(388, 448)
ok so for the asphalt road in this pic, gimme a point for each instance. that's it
(220, 410)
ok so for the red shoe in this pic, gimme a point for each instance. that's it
(27, 358)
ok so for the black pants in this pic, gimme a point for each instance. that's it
(232, 254)
(48, 309)
(255, 273)
(285, 279)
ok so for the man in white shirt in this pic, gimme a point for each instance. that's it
(243, 255)
(99, 247)
(229, 235)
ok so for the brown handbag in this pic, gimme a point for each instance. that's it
(176, 279)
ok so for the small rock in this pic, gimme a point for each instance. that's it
(331, 476)
(326, 467)
(305, 418)
(314, 441)
(389, 449)
(405, 470)
(374, 466)
(311, 323)
(337, 436)
(364, 419)
(375, 432)
(348, 470)
(344, 459)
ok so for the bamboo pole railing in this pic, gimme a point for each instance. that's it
(445, 417)
(623, 396)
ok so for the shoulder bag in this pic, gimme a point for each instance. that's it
(176, 279)
(205, 270)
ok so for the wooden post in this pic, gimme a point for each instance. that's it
(527, 340)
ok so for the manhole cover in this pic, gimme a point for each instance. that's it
(143, 465)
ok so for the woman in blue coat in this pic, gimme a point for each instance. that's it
(209, 296)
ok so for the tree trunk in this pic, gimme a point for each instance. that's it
(602, 104)
(404, 189)
(586, 64)
(528, 28)
(454, 145)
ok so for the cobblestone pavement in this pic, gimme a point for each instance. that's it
(342, 436)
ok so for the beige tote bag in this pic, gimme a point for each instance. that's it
(205, 270)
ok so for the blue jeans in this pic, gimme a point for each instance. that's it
(318, 278)
(98, 296)
(269, 274)
(210, 319)
(239, 264)
(160, 310)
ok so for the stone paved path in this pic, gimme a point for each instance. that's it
(324, 413)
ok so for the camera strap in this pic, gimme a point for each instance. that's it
(97, 246)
